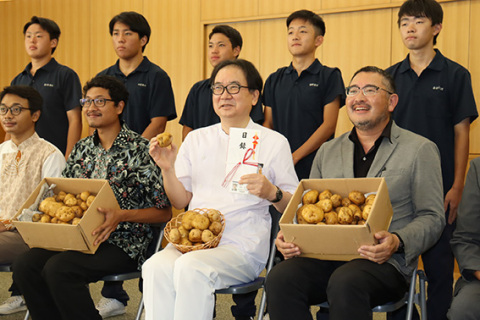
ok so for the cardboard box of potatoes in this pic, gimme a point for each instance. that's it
(340, 237)
(56, 229)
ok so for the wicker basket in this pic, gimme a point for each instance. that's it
(177, 222)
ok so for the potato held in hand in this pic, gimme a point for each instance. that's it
(164, 139)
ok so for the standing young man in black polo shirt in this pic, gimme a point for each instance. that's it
(302, 100)
(151, 103)
(61, 119)
(224, 43)
(437, 102)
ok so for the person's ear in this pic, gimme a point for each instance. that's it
(236, 51)
(36, 115)
(392, 102)
(53, 43)
(318, 41)
(437, 28)
(119, 107)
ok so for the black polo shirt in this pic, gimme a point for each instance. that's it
(298, 103)
(363, 161)
(150, 94)
(432, 104)
(61, 91)
(198, 111)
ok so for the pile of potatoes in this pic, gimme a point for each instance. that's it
(327, 208)
(64, 208)
(195, 227)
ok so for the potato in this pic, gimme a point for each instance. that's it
(207, 236)
(65, 214)
(336, 200)
(201, 222)
(214, 215)
(366, 211)
(183, 232)
(84, 195)
(356, 197)
(52, 208)
(310, 197)
(326, 194)
(187, 219)
(164, 139)
(215, 227)
(345, 216)
(185, 242)
(346, 202)
(195, 235)
(89, 200)
(60, 196)
(312, 214)
(326, 205)
(175, 235)
(331, 218)
(357, 213)
(370, 199)
(45, 218)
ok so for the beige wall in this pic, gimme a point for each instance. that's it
(359, 32)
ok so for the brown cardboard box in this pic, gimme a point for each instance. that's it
(337, 242)
(60, 237)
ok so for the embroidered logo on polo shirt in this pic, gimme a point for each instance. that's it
(48, 85)
(313, 84)
(437, 88)
(141, 84)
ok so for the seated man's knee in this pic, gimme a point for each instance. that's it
(189, 266)
(465, 302)
(280, 277)
(343, 280)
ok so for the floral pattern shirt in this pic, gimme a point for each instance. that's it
(133, 176)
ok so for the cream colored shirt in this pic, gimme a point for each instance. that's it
(21, 169)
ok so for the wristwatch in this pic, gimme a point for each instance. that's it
(278, 196)
(401, 245)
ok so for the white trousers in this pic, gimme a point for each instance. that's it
(180, 286)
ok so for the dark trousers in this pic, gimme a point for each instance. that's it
(14, 289)
(55, 284)
(245, 305)
(114, 290)
(352, 289)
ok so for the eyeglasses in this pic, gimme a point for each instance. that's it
(368, 90)
(14, 110)
(99, 102)
(232, 88)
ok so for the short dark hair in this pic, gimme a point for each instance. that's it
(48, 25)
(231, 33)
(254, 79)
(35, 100)
(387, 77)
(312, 17)
(430, 9)
(135, 21)
(116, 89)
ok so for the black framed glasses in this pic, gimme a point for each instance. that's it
(232, 88)
(99, 102)
(368, 90)
(15, 110)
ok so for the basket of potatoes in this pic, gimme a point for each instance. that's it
(195, 229)
(63, 208)
(324, 207)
